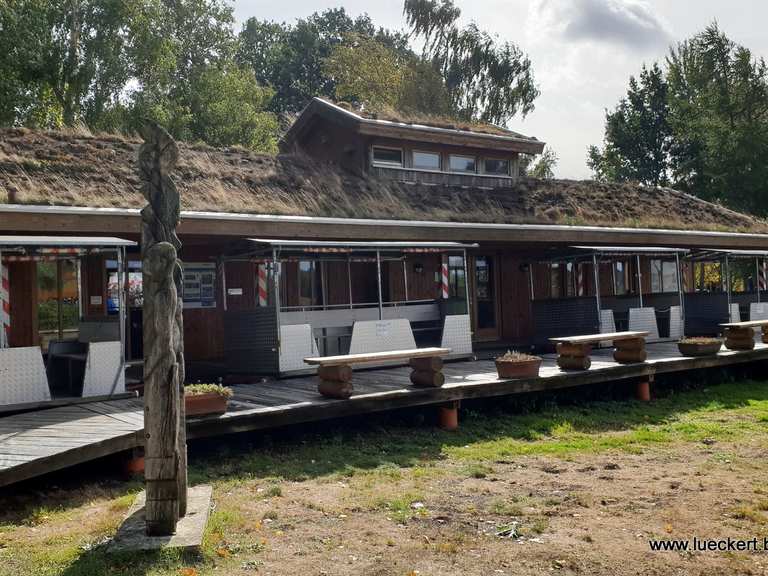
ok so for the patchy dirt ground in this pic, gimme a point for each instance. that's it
(575, 490)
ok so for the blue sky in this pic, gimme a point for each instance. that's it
(583, 51)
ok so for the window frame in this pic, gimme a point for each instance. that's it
(499, 159)
(431, 152)
(386, 164)
(451, 169)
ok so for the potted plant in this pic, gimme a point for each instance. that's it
(699, 346)
(518, 365)
(202, 399)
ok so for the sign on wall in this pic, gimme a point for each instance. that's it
(199, 285)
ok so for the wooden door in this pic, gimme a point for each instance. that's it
(486, 317)
(515, 298)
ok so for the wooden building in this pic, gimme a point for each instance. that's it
(523, 252)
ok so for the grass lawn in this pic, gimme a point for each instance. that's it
(575, 489)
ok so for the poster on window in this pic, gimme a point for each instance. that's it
(199, 290)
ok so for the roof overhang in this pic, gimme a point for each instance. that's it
(73, 219)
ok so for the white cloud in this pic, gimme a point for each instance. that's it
(629, 23)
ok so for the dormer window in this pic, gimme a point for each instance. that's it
(466, 164)
(382, 156)
(496, 166)
(426, 160)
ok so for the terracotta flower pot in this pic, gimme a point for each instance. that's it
(200, 404)
(518, 369)
(695, 349)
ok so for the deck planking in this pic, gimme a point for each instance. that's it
(34, 443)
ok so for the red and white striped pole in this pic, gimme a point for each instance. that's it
(444, 278)
(581, 289)
(263, 295)
(5, 306)
(761, 276)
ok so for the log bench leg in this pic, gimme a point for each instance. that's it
(427, 372)
(765, 334)
(335, 381)
(573, 356)
(449, 415)
(740, 338)
(630, 351)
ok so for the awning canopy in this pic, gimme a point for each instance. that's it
(585, 252)
(265, 246)
(17, 242)
(717, 254)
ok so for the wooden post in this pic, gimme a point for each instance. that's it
(643, 390)
(449, 416)
(164, 419)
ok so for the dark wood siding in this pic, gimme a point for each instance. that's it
(23, 301)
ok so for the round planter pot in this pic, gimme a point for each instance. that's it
(524, 369)
(694, 349)
(201, 404)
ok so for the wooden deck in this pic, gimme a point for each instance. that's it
(42, 441)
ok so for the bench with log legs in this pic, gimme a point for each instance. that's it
(741, 335)
(573, 351)
(335, 372)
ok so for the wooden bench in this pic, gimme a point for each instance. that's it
(573, 351)
(741, 335)
(335, 372)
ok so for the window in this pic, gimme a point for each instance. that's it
(310, 283)
(387, 156)
(496, 166)
(570, 279)
(620, 284)
(555, 280)
(456, 280)
(663, 276)
(462, 163)
(426, 160)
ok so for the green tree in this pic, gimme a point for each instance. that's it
(228, 107)
(544, 166)
(718, 98)
(62, 61)
(487, 81)
(637, 134)
(364, 71)
(290, 58)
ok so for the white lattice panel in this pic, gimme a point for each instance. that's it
(644, 320)
(676, 329)
(735, 313)
(104, 370)
(607, 325)
(381, 336)
(22, 376)
(758, 311)
(457, 334)
(296, 343)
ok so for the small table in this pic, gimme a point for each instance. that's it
(573, 351)
(335, 372)
(741, 335)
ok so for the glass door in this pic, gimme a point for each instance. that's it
(486, 304)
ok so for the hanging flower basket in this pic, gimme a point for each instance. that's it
(695, 347)
(518, 365)
(206, 399)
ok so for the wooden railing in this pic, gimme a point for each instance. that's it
(444, 178)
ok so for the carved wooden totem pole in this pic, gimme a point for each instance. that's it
(165, 445)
